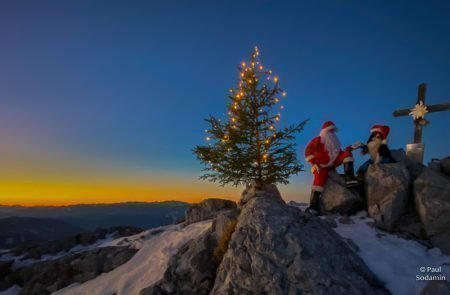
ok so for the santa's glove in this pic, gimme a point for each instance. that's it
(357, 145)
(315, 168)
(364, 149)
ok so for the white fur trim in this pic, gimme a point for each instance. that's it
(309, 158)
(331, 127)
(317, 188)
(347, 160)
(376, 130)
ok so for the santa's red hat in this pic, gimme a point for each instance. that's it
(382, 129)
(327, 126)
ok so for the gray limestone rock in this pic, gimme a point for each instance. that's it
(337, 198)
(223, 220)
(207, 209)
(432, 199)
(387, 193)
(277, 249)
(251, 192)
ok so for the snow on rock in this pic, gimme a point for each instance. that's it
(14, 290)
(146, 267)
(136, 241)
(394, 260)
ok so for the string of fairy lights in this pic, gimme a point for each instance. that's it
(242, 97)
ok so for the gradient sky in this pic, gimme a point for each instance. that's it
(102, 101)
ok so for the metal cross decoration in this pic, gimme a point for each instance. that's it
(415, 151)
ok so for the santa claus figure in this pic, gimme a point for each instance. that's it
(377, 148)
(324, 153)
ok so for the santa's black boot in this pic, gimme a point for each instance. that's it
(314, 203)
(350, 179)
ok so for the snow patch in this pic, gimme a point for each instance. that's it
(146, 267)
(394, 260)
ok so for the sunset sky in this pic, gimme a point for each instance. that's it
(102, 101)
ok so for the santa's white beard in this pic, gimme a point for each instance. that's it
(332, 145)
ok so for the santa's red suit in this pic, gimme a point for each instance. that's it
(323, 153)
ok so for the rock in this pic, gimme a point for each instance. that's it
(371, 224)
(442, 241)
(330, 221)
(432, 199)
(436, 288)
(337, 198)
(445, 166)
(207, 209)
(278, 249)
(251, 192)
(124, 231)
(414, 168)
(387, 192)
(346, 220)
(223, 220)
(191, 271)
(399, 155)
(411, 226)
(49, 276)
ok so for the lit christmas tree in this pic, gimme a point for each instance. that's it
(248, 146)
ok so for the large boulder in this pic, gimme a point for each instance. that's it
(278, 249)
(414, 168)
(337, 198)
(432, 199)
(387, 193)
(251, 191)
(207, 209)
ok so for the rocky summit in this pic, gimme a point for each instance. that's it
(273, 249)
(277, 249)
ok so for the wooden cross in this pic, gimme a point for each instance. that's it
(419, 111)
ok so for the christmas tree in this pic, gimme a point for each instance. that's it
(248, 146)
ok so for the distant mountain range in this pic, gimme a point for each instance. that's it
(30, 230)
(87, 217)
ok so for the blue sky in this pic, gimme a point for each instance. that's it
(114, 87)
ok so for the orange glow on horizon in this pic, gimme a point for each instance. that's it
(62, 194)
(29, 193)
